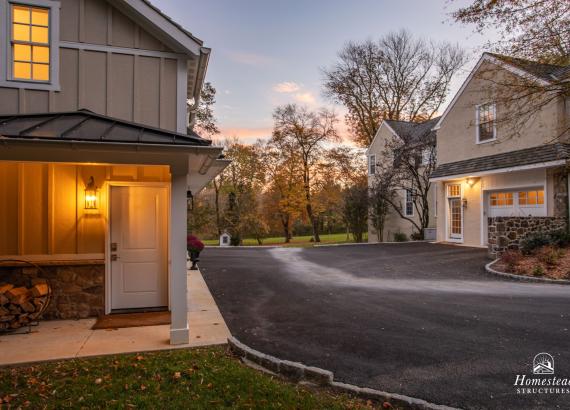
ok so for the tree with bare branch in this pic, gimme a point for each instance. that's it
(407, 164)
(535, 38)
(397, 77)
(538, 30)
(307, 131)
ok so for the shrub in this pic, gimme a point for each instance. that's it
(540, 239)
(511, 259)
(538, 270)
(560, 238)
(534, 241)
(400, 237)
(416, 236)
(549, 255)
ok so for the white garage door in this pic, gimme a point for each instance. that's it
(521, 202)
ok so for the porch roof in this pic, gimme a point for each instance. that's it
(87, 126)
(520, 158)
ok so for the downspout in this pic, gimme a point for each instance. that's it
(566, 171)
(202, 67)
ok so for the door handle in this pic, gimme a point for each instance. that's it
(114, 257)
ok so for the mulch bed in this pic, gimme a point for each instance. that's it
(547, 262)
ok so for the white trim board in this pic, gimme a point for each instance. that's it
(120, 50)
(548, 164)
(63, 257)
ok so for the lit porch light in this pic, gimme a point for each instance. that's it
(471, 181)
(91, 195)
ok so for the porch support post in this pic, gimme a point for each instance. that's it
(179, 332)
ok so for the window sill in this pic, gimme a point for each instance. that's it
(30, 85)
(486, 141)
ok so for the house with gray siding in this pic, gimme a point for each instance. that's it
(96, 161)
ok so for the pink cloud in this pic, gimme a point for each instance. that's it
(286, 87)
(247, 135)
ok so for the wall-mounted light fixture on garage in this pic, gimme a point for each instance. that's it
(471, 181)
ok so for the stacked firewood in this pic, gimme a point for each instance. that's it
(21, 305)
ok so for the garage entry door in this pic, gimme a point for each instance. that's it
(521, 202)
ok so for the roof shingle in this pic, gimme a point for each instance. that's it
(528, 156)
(548, 72)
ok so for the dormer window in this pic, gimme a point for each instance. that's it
(486, 126)
(30, 42)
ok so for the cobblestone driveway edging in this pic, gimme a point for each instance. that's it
(522, 278)
(298, 372)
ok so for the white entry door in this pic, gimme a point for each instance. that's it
(138, 248)
(455, 218)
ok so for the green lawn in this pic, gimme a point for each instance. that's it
(204, 378)
(296, 241)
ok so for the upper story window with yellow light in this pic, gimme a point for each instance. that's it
(30, 42)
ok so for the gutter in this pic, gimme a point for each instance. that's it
(202, 68)
(73, 144)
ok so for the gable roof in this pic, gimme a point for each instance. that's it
(524, 157)
(86, 126)
(409, 131)
(166, 29)
(547, 72)
(542, 73)
(412, 132)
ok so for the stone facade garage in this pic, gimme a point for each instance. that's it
(508, 232)
(491, 181)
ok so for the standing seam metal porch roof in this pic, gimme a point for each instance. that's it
(528, 156)
(87, 126)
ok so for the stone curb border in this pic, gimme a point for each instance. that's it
(370, 243)
(298, 372)
(521, 278)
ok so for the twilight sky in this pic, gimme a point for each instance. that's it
(269, 52)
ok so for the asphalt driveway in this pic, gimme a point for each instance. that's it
(419, 319)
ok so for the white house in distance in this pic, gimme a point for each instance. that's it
(95, 157)
(494, 188)
(378, 153)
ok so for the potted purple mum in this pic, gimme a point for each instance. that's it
(194, 246)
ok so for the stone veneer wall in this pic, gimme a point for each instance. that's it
(78, 289)
(507, 232)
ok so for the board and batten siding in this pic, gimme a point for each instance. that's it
(112, 66)
(43, 211)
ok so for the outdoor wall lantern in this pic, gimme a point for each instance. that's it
(471, 181)
(190, 200)
(464, 203)
(91, 195)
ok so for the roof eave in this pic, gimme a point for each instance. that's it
(546, 164)
(172, 33)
